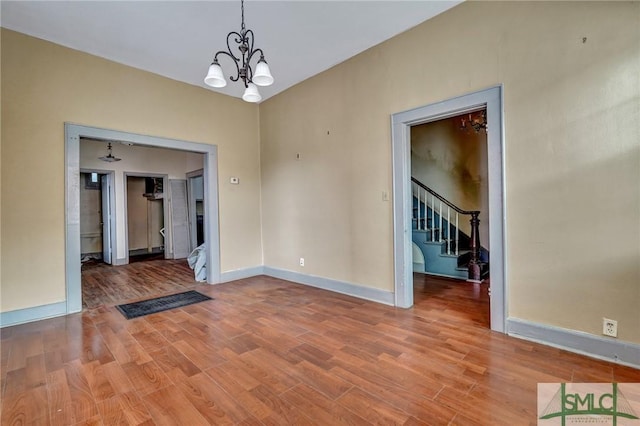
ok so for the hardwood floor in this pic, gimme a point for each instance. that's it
(104, 284)
(267, 351)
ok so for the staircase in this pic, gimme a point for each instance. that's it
(447, 237)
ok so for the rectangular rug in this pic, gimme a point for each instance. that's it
(159, 304)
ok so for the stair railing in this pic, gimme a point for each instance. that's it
(427, 197)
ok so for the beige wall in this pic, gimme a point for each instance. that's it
(45, 85)
(453, 162)
(572, 151)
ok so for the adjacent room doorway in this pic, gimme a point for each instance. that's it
(96, 216)
(146, 213)
(195, 189)
(73, 134)
(491, 100)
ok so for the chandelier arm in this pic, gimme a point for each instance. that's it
(253, 52)
(235, 62)
(238, 40)
(250, 41)
(249, 57)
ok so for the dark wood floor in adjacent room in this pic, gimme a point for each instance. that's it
(267, 351)
(141, 279)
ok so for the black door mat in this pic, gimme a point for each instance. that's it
(159, 304)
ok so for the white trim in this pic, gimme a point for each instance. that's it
(361, 292)
(453, 277)
(73, 133)
(607, 349)
(239, 274)
(492, 99)
(37, 313)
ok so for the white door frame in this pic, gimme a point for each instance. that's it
(401, 123)
(106, 202)
(73, 133)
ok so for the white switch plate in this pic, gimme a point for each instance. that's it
(302, 261)
(234, 180)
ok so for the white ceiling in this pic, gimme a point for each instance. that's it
(177, 39)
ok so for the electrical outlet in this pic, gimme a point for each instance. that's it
(302, 261)
(609, 327)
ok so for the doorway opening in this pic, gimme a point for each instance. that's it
(207, 158)
(195, 189)
(491, 101)
(95, 217)
(145, 210)
(450, 196)
(450, 214)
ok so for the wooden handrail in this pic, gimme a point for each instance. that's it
(441, 198)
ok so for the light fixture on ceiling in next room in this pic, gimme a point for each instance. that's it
(109, 158)
(242, 58)
(476, 121)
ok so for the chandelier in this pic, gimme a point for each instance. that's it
(109, 158)
(476, 121)
(242, 54)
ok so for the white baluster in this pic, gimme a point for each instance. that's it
(424, 200)
(418, 215)
(457, 237)
(433, 217)
(440, 227)
(424, 214)
(448, 230)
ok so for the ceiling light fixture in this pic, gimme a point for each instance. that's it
(109, 158)
(476, 121)
(245, 53)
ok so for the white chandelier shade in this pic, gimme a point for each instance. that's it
(251, 93)
(262, 76)
(215, 76)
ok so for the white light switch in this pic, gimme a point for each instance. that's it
(234, 180)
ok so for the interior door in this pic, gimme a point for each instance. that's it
(179, 219)
(105, 181)
(195, 187)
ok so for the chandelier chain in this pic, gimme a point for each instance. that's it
(242, 11)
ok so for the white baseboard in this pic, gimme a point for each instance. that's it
(37, 313)
(444, 276)
(120, 261)
(239, 274)
(367, 293)
(607, 349)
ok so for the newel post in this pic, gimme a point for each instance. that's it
(474, 261)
